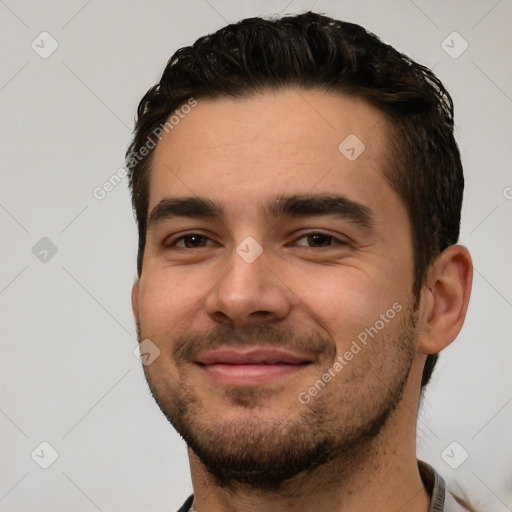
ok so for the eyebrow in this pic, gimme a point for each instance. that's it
(297, 205)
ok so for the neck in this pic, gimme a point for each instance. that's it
(383, 475)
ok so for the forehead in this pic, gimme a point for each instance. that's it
(277, 142)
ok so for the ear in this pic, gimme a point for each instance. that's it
(445, 299)
(135, 299)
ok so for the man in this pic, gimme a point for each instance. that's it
(298, 191)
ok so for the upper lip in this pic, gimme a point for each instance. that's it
(252, 356)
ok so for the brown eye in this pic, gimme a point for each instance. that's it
(319, 239)
(190, 241)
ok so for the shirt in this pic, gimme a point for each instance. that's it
(441, 500)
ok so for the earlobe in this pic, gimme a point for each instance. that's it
(446, 299)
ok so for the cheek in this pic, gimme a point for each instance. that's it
(168, 299)
(344, 300)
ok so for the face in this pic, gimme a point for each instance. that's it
(276, 283)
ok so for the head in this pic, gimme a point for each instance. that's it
(263, 112)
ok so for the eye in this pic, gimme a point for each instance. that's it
(319, 239)
(314, 239)
(190, 241)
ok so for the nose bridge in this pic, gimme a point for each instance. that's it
(250, 289)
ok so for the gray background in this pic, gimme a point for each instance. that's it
(68, 374)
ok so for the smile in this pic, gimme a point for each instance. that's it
(255, 366)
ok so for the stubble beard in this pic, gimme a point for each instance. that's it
(339, 428)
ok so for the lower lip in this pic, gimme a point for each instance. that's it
(250, 374)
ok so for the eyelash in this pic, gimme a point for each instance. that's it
(172, 243)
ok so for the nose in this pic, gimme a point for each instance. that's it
(250, 293)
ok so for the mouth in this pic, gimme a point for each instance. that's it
(255, 366)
